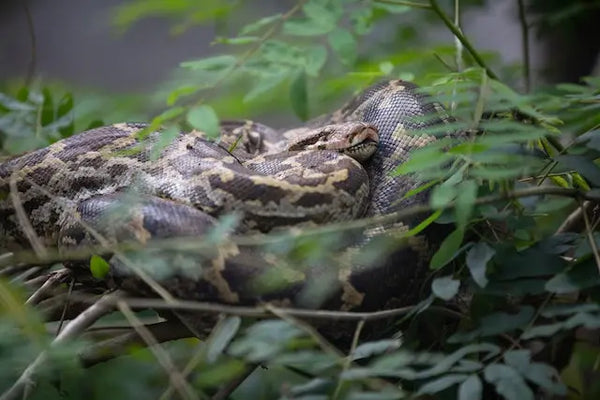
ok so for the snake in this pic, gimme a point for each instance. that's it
(123, 183)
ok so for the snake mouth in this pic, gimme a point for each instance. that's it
(363, 143)
(362, 151)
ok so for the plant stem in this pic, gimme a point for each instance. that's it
(463, 39)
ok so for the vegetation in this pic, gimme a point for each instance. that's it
(515, 287)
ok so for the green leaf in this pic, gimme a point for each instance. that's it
(99, 267)
(216, 63)
(315, 59)
(445, 287)
(423, 158)
(581, 276)
(386, 67)
(344, 45)
(14, 105)
(447, 250)
(465, 199)
(546, 377)
(470, 389)
(496, 323)
(205, 119)
(257, 25)
(442, 195)
(240, 40)
(370, 349)
(299, 96)
(305, 27)
(583, 165)
(440, 384)
(477, 259)
(392, 8)
(165, 138)
(47, 108)
(265, 83)
(221, 336)
(508, 382)
(219, 374)
(180, 91)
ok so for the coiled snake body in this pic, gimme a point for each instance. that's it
(67, 191)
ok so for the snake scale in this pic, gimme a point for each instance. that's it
(109, 183)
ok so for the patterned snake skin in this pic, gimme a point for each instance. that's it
(102, 184)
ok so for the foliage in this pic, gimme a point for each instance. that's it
(510, 288)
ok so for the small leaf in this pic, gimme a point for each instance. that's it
(216, 63)
(299, 96)
(305, 27)
(392, 8)
(470, 389)
(204, 119)
(180, 91)
(165, 138)
(240, 40)
(315, 59)
(369, 349)
(508, 382)
(447, 250)
(344, 45)
(467, 194)
(257, 25)
(265, 83)
(14, 105)
(440, 384)
(47, 108)
(99, 267)
(221, 336)
(386, 67)
(445, 287)
(583, 165)
(477, 259)
(442, 195)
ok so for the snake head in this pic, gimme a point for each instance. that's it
(356, 139)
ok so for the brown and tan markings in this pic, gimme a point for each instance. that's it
(335, 168)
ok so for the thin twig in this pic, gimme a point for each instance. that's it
(261, 311)
(23, 219)
(348, 361)
(65, 306)
(457, 43)
(52, 280)
(74, 328)
(256, 240)
(463, 39)
(104, 243)
(175, 377)
(574, 221)
(525, 45)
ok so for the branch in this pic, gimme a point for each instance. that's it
(196, 244)
(463, 39)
